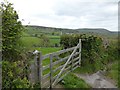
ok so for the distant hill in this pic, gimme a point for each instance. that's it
(48, 30)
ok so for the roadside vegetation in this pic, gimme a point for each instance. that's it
(18, 40)
(71, 81)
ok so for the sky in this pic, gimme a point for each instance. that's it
(71, 14)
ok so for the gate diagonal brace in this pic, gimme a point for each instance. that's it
(65, 65)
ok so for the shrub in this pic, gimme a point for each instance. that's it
(14, 75)
(11, 32)
(91, 45)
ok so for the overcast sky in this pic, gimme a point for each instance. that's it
(69, 13)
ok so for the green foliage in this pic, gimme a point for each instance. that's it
(44, 40)
(11, 29)
(71, 81)
(30, 42)
(113, 72)
(91, 45)
(14, 75)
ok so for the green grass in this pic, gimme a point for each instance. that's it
(113, 71)
(25, 34)
(30, 41)
(46, 50)
(71, 81)
(54, 41)
(89, 68)
(54, 37)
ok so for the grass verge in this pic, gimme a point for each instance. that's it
(71, 81)
(113, 72)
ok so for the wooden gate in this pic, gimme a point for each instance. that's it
(51, 68)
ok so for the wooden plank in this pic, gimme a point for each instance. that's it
(64, 50)
(58, 68)
(67, 68)
(54, 77)
(51, 71)
(58, 52)
(45, 56)
(35, 76)
(76, 54)
(65, 65)
(62, 77)
(75, 63)
(46, 76)
(46, 84)
(61, 60)
(40, 68)
(63, 71)
(75, 67)
(80, 52)
(73, 60)
(64, 59)
(71, 63)
(46, 67)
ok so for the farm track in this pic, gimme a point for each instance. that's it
(97, 80)
(59, 86)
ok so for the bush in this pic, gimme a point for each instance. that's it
(91, 45)
(14, 75)
(11, 32)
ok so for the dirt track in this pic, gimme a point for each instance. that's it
(96, 80)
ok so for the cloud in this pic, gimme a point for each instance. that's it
(69, 13)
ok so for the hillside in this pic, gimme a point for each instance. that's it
(59, 31)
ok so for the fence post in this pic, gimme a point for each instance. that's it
(80, 52)
(38, 64)
(51, 71)
(40, 69)
(35, 69)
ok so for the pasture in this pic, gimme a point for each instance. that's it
(86, 52)
(32, 42)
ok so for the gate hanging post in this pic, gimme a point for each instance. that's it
(38, 65)
(40, 69)
(51, 71)
(80, 52)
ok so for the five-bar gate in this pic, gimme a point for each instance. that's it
(51, 68)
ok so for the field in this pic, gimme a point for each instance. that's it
(32, 40)
(89, 57)
(46, 50)
(48, 41)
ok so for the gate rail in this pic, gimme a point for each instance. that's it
(46, 75)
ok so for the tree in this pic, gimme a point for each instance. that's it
(14, 71)
(45, 40)
(11, 32)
